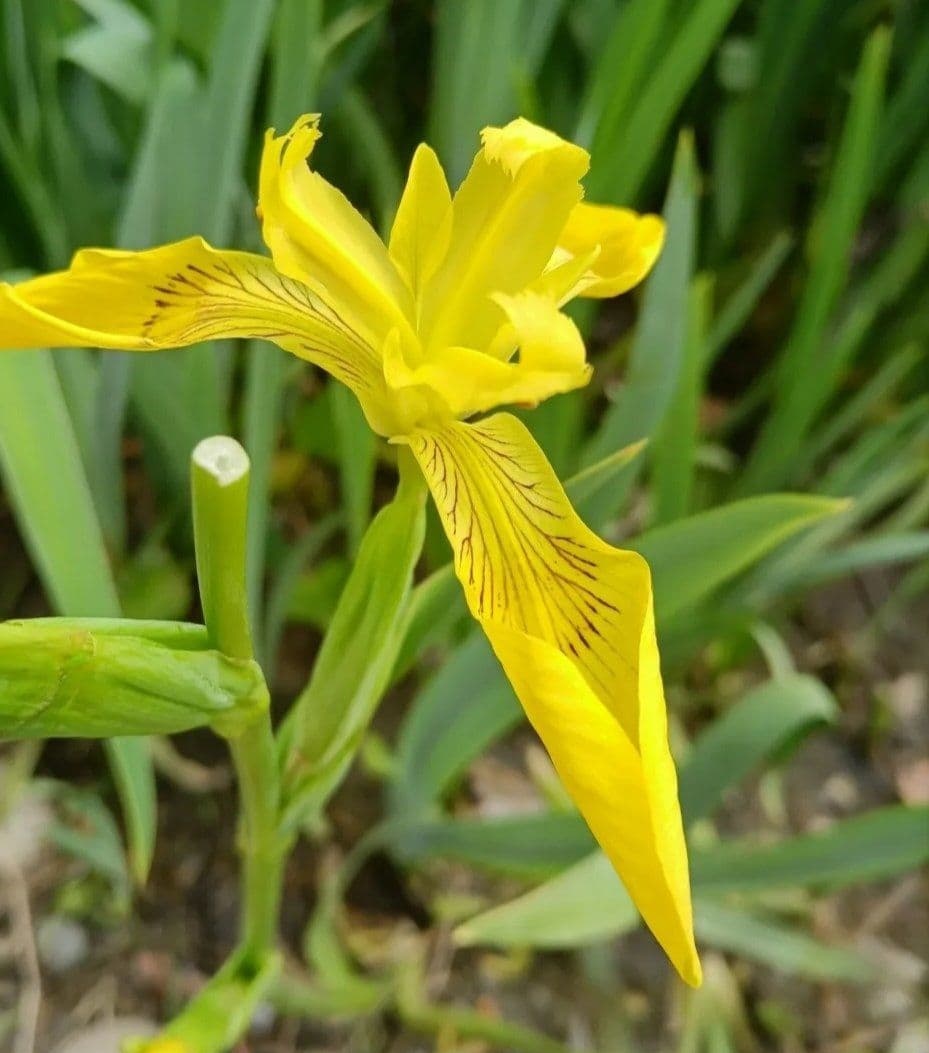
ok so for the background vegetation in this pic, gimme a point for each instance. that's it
(775, 366)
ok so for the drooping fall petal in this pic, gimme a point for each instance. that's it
(317, 237)
(506, 219)
(181, 294)
(570, 619)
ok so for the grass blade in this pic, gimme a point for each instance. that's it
(738, 308)
(774, 944)
(674, 452)
(658, 347)
(801, 372)
(693, 556)
(871, 847)
(61, 528)
(776, 712)
(473, 75)
(661, 97)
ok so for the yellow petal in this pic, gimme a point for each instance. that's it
(506, 219)
(624, 244)
(423, 226)
(318, 238)
(571, 621)
(182, 294)
(464, 381)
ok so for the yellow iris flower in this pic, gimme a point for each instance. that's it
(458, 314)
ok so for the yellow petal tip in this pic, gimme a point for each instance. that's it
(691, 972)
(513, 144)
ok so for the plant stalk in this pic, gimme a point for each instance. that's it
(220, 479)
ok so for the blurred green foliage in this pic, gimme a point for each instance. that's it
(774, 362)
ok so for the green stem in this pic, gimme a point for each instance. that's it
(431, 1019)
(220, 478)
(262, 848)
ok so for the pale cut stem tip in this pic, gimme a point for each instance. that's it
(223, 457)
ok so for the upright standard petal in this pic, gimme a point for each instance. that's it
(421, 231)
(570, 619)
(182, 294)
(506, 219)
(317, 237)
(619, 245)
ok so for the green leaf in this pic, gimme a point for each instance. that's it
(585, 904)
(854, 558)
(474, 56)
(871, 847)
(358, 654)
(294, 82)
(117, 52)
(196, 141)
(661, 95)
(58, 521)
(777, 945)
(870, 402)
(674, 452)
(436, 606)
(904, 124)
(357, 456)
(235, 68)
(222, 1010)
(462, 709)
(583, 487)
(532, 846)
(315, 594)
(89, 833)
(803, 373)
(282, 595)
(621, 67)
(658, 348)
(61, 528)
(738, 308)
(369, 139)
(693, 556)
(777, 712)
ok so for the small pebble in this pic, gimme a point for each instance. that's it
(263, 1019)
(912, 1038)
(22, 831)
(840, 790)
(913, 782)
(62, 944)
(106, 1036)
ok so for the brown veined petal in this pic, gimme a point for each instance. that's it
(185, 293)
(570, 619)
(317, 237)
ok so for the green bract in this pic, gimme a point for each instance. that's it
(90, 678)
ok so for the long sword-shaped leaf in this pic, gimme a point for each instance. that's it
(802, 370)
(586, 903)
(661, 96)
(44, 478)
(658, 348)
